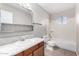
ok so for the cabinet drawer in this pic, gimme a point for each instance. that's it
(35, 47)
(38, 45)
(41, 44)
(28, 51)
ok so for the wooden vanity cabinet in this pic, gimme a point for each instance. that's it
(40, 50)
(37, 50)
(28, 52)
(20, 54)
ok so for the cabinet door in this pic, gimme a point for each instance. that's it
(6, 16)
(39, 51)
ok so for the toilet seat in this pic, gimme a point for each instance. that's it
(51, 43)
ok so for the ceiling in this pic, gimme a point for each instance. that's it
(56, 7)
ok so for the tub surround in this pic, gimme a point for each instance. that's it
(19, 46)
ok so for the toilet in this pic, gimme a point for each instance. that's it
(50, 44)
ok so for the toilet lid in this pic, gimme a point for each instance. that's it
(51, 42)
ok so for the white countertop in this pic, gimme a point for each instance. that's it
(19, 46)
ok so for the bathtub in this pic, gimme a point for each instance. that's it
(66, 44)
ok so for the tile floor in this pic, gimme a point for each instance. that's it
(59, 52)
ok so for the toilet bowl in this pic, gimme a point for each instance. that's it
(50, 44)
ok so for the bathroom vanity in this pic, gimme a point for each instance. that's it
(28, 47)
(37, 50)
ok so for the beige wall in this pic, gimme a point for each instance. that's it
(77, 32)
(64, 34)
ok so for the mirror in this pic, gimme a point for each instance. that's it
(14, 18)
(15, 14)
(6, 17)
